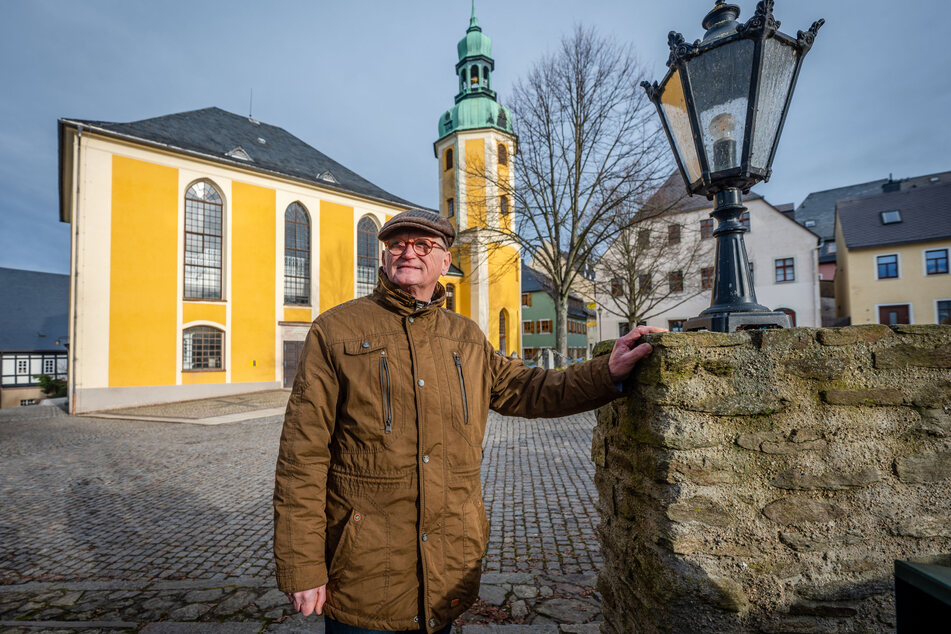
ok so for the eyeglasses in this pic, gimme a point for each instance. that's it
(422, 246)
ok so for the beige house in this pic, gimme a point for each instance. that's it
(892, 265)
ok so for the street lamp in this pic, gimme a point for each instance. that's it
(723, 104)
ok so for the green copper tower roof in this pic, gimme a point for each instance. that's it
(476, 106)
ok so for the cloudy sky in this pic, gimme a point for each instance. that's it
(365, 81)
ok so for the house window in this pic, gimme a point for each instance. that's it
(449, 159)
(528, 327)
(809, 223)
(202, 242)
(643, 238)
(644, 284)
(617, 287)
(544, 325)
(785, 270)
(745, 220)
(943, 310)
(673, 234)
(887, 266)
(49, 366)
(623, 328)
(706, 278)
(201, 348)
(675, 281)
(891, 217)
(296, 255)
(27, 401)
(706, 228)
(368, 254)
(526, 299)
(450, 207)
(502, 331)
(504, 205)
(830, 247)
(894, 314)
(936, 262)
(503, 154)
(451, 297)
(675, 325)
(23, 366)
(791, 313)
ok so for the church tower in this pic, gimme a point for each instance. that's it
(474, 149)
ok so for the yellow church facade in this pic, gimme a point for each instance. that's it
(204, 243)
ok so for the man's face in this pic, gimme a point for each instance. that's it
(412, 272)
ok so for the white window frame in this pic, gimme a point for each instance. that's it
(924, 261)
(940, 299)
(897, 259)
(911, 308)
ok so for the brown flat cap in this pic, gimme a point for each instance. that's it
(419, 220)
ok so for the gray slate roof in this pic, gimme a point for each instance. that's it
(820, 206)
(213, 133)
(34, 309)
(672, 198)
(925, 216)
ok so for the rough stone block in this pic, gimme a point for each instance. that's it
(925, 526)
(935, 422)
(820, 368)
(807, 544)
(812, 608)
(787, 339)
(800, 510)
(924, 468)
(725, 594)
(795, 479)
(739, 405)
(700, 509)
(933, 395)
(701, 339)
(907, 355)
(778, 443)
(850, 335)
(863, 397)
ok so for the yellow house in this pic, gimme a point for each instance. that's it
(892, 264)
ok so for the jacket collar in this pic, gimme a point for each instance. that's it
(391, 296)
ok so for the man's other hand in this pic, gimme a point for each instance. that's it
(627, 353)
(309, 601)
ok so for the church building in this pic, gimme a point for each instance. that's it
(204, 243)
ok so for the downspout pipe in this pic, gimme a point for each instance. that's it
(74, 272)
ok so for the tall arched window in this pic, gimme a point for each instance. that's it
(202, 348)
(502, 328)
(451, 297)
(368, 255)
(202, 242)
(296, 255)
(449, 159)
(474, 76)
(503, 154)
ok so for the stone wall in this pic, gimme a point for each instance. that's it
(767, 480)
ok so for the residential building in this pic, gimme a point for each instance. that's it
(538, 320)
(679, 273)
(204, 243)
(892, 265)
(33, 333)
(817, 213)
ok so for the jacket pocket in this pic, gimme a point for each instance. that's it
(344, 548)
(462, 387)
(385, 393)
(475, 529)
(369, 410)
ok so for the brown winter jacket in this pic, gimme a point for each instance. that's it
(377, 490)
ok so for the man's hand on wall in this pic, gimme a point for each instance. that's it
(309, 601)
(627, 353)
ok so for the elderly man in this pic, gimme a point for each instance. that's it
(378, 515)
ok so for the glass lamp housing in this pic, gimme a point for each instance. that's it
(724, 99)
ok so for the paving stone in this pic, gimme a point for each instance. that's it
(493, 595)
(567, 610)
(204, 596)
(271, 599)
(299, 624)
(168, 627)
(525, 591)
(189, 612)
(582, 628)
(236, 602)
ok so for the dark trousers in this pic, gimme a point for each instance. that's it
(336, 627)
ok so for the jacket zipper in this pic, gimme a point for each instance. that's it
(462, 385)
(385, 386)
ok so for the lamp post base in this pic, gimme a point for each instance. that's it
(732, 321)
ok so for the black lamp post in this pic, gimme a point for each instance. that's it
(723, 103)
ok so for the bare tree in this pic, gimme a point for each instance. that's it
(589, 152)
(656, 264)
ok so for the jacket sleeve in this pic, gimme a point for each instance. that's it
(300, 520)
(518, 390)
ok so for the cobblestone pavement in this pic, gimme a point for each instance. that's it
(124, 525)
